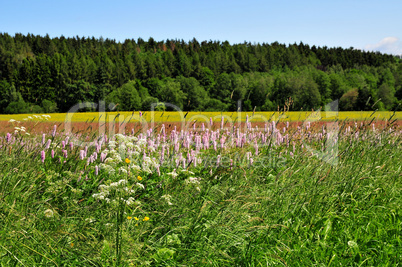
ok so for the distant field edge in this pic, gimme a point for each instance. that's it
(173, 116)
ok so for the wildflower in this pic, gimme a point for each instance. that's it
(103, 156)
(158, 170)
(129, 217)
(136, 218)
(127, 161)
(352, 244)
(42, 155)
(54, 130)
(82, 154)
(145, 219)
(192, 180)
(122, 182)
(167, 198)
(49, 213)
(132, 202)
(48, 144)
(139, 178)
(135, 167)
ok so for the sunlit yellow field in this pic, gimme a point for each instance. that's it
(160, 116)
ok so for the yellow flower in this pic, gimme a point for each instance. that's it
(139, 178)
(146, 219)
(128, 161)
(72, 244)
(135, 218)
(129, 218)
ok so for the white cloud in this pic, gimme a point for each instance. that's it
(388, 45)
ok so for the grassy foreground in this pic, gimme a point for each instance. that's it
(287, 197)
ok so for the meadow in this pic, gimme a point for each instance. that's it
(219, 189)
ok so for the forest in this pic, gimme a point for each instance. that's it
(42, 74)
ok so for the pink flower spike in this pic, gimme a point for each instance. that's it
(103, 156)
(48, 144)
(82, 152)
(42, 155)
(52, 154)
(158, 170)
(54, 131)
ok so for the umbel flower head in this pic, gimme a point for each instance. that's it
(49, 213)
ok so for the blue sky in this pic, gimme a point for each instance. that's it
(368, 25)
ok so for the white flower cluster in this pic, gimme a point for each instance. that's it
(19, 129)
(135, 167)
(193, 181)
(22, 129)
(113, 157)
(168, 199)
(49, 213)
(109, 169)
(148, 163)
(127, 144)
(116, 192)
(174, 174)
(121, 147)
(40, 117)
(90, 220)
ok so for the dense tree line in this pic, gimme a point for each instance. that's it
(43, 74)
